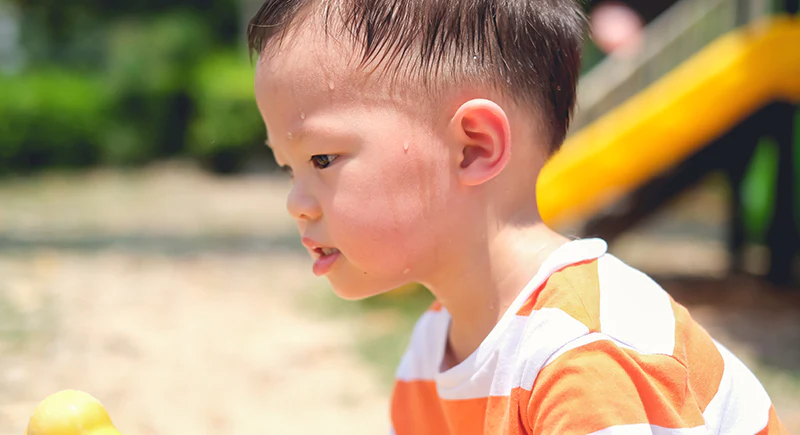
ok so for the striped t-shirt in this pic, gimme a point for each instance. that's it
(590, 346)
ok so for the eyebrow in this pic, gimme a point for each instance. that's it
(299, 134)
(303, 133)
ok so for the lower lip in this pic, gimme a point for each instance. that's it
(324, 263)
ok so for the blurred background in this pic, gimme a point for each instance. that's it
(146, 256)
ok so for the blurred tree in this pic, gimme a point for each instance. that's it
(71, 32)
(227, 128)
(141, 55)
(149, 69)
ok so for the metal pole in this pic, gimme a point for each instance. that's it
(792, 6)
(743, 12)
(783, 239)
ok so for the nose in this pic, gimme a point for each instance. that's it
(301, 205)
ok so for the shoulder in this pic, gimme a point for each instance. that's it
(641, 361)
(607, 296)
(595, 383)
(604, 310)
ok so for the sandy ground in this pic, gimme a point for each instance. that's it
(177, 300)
(181, 301)
(208, 344)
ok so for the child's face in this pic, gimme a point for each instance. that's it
(372, 177)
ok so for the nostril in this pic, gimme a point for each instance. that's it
(301, 206)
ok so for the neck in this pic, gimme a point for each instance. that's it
(480, 286)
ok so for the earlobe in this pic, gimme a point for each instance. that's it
(483, 140)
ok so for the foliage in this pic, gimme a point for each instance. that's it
(758, 190)
(226, 128)
(149, 68)
(164, 83)
(71, 33)
(51, 118)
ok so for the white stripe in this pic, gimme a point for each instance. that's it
(474, 376)
(741, 405)
(714, 412)
(516, 362)
(649, 429)
(494, 377)
(547, 332)
(468, 379)
(428, 342)
(567, 254)
(634, 309)
(583, 341)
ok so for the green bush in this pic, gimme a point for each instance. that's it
(154, 86)
(50, 118)
(149, 71)
(226, 128)
(758, 190)
(66, 119)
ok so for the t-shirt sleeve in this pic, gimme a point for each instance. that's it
(603, 388)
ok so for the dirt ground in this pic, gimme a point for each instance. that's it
(183, 302)
(177, 299)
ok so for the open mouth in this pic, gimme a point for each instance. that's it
(322, 252)
(325, 259)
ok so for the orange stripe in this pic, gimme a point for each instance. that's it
(530, 304)
(416, 409)
(466, 416)
(695, 350)
(522, 398)
(492, 415)
(435, 306)
(599, 385)
(505, 415)
(774, 426)
(575, 290)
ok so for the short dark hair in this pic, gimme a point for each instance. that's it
(528, 49)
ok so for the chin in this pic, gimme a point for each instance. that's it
(355, 291)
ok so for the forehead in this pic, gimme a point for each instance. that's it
(303, 62)
(309, 66)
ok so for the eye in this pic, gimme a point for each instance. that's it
(287, 170)
(322, 161)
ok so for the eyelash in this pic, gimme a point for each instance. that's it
(315, 160)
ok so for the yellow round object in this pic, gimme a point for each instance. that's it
(70, 412)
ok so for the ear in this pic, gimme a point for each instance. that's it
(483, 139)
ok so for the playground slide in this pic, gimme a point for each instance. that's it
(666, 123)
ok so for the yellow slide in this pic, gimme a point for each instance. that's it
(666, 123)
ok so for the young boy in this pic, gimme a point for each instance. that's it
(415, 131)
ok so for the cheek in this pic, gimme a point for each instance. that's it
(381, 214)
